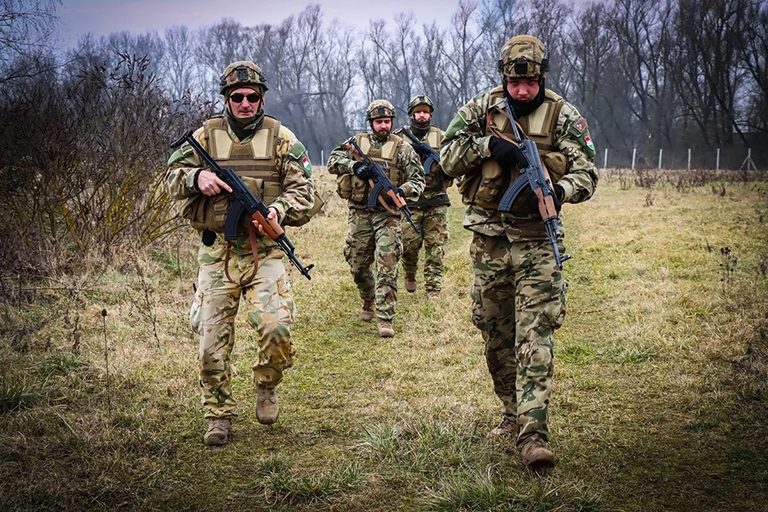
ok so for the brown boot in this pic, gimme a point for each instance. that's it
(267, 406)
(410, 283)
(506, 429)
(218, 431)
(385, 329)
(366, 314)
(536, 455)
(433, 294)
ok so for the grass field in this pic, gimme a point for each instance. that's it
(661, 378)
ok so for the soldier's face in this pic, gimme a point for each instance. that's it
(382, 125)
(422, 116)
(244, 102)
(523, 89)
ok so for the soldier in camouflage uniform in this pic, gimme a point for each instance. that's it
(375, 234)
(275, 167)
(430, 212)
(518, 292)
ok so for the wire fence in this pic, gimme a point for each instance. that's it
(731, 157)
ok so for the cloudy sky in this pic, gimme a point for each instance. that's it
(102, 17)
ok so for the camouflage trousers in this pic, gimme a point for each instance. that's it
(375, 236)
(270, 311)
(518, 297)
(433, 232)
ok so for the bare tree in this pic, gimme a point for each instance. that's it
(179, 62)
(462, 56)
(707, 51)
(25, 30)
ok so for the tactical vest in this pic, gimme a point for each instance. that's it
(356, 189)
(485, 186)
(255, 161)
(435, 181)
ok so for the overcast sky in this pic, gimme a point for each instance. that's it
(101, 17)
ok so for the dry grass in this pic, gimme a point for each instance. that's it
(660, 398)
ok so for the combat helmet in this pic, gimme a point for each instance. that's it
(420, 100)
(379, 108)
(242, 73)
(523, 56)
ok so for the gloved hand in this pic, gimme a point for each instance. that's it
(506, 154)
(533, 202)
(399, 191)
(362, 171)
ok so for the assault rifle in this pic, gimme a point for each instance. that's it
(431, 155)
(382, 189)
(245, 202)
(536, 177)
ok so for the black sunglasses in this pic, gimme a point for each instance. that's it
(238, 97)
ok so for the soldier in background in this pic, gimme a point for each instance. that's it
(275, 167)
(375, 234)
(518, 291)
(430, 211)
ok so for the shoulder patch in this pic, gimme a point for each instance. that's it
(580, 125)
(180, 154)
(299, 153)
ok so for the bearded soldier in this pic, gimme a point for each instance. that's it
(430, 212)
(275, 167)
(375, 233)
(518, 290)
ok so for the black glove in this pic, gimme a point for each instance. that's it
(399, 191)
(507, 154)
(532, 202)
(362, 171)
(559, 196)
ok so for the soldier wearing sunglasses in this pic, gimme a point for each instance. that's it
(249, 271)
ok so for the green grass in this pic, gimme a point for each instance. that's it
(661, 377)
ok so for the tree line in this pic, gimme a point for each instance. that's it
(88, 126)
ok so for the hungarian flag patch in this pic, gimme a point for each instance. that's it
(306, 163)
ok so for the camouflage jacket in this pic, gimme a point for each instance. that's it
(296, 192)
(466, 146)
(340, 162)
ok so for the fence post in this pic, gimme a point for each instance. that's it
(717, 162)
(605, 159)
(661, 151)
(322, 157)
(634, 154)
(689, 159)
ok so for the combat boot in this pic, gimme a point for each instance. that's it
(366, 314)
(410, 282)
(385, 329)
(218, 431)
(507, 428)
(536, 455)
(267, 406)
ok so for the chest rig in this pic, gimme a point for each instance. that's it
(353, 188)
(486, 185)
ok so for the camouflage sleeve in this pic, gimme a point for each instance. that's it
(340, 161)
(408, 160)
(464, 146)
(572, 138)
(182, 169)
(297, 197)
